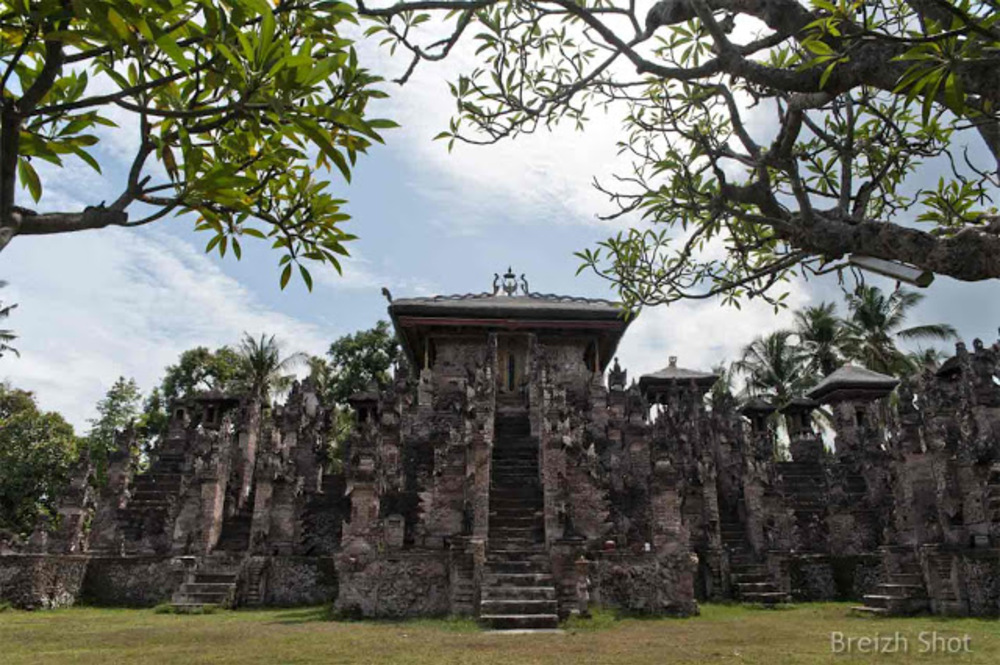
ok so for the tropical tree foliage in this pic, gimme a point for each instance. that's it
(227, 105)
(821, 335)
(785, 363)
(37, 449)
(768, 138)
(875, 323)
(362, 358)
(775, 368)
(263, 371)
(6, 336)
(200, 369)
(121, 407)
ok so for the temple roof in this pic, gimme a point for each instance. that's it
(677, 375)
(757, 405)
(800, 403)
(511, 307)
(851, 381)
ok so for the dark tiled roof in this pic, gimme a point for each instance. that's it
(757, 405)
(535, 305)
(674, 374)
(853, 378)
(800, 403)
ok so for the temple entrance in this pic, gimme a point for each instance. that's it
(512, 352)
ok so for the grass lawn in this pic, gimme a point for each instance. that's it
(723, 633)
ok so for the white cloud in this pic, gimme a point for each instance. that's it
(700, 334)
(122, 303)
(544, 177)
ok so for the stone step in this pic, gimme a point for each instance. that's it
(750, 587)
(185, 607)
(516, 492)
(902, 590)
(520, 621)
(207, 587)
(895, 604)
(738, 578)
(508, 606)
(522, 556)
(864, 609)
(914, 579)
(511, 519)
(765, 597)
(519, 593)
(215, 578)
(504, 532)
(515, 507)
(505, 478)
(203, 598)
(514, 544)
(749, 569)
(518, 579)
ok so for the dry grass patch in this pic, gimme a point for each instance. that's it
(723, 633)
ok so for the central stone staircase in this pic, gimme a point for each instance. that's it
(212, 584)
(750, 580)
(518, 591)
(803, 485)
(236, 529)
(152, 496)
(904, 593)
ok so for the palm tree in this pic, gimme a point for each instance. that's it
(875, 324)
(722, 389)
(921, 359)
(6, 336)
(263, 372)
(775, 368)
(821, 333)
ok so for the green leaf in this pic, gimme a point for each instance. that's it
(29, 178)
(87, 157)
(286, 274)
(306, 277)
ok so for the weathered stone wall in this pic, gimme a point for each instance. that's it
(135, 581)
(291, 580)
(395, 586)
(818, 577)
(32, 582)
(980, 572)
(644, 583)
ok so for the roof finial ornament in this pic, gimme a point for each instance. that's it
(496, 283)
(510, 282)
(673, 361)
(524, 285)
(388, 296)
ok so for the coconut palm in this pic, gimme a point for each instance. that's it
(263, 372)
(775, 368)
(821, 333)
(722, 389)
(922, 359)
(6, 336)
(876, 322)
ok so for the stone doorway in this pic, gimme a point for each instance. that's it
(512, 354)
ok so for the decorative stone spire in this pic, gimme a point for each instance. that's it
(617, 377)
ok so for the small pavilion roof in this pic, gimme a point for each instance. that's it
(852, 382)
(672, 374)
(757, 405)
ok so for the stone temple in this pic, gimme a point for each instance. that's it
(509, 474)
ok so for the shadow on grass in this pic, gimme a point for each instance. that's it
(300, 616)
(328, 614)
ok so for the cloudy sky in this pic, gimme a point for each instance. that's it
(97, 305)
